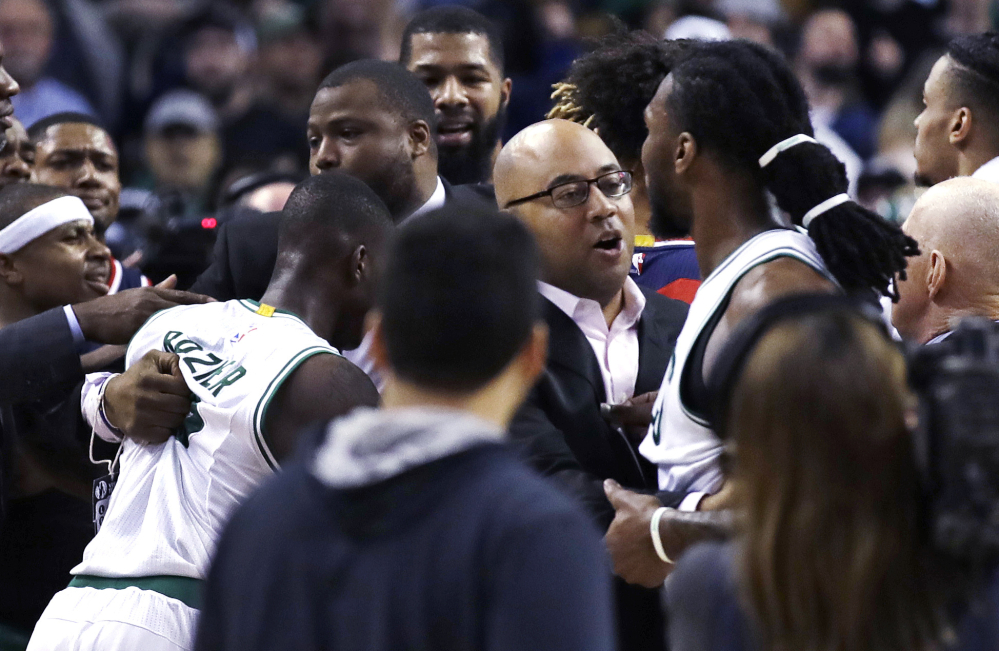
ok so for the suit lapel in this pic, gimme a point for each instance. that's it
(650, 351)
(568, 348)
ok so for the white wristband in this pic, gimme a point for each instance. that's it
(656, 540)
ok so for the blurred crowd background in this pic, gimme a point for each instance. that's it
(199, 95)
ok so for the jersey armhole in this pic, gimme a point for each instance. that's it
(260, 411)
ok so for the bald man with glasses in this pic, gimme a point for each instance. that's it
(610, 340)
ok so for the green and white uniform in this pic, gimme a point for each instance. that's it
(172, 500)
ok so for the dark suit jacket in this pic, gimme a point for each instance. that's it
(36, 355)
(42, 536)
(560, 429)
(560, 432)
(246, 250)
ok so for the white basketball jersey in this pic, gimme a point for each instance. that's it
(680, 442)
(172, 500)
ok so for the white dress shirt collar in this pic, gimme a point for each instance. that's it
(989, 171)
(616, 347)
(435, 201)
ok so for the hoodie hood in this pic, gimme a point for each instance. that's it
(370, 445)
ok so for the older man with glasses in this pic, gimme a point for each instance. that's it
(610, 340)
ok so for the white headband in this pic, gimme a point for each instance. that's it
(787, 143)
(39, 221)
(825, 206)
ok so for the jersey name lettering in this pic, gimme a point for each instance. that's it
(208, 369)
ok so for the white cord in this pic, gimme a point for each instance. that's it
(787, 143)
(825, 206)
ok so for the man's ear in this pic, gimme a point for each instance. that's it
(685, 152)
(420, 138)
(936, 273)
(960, 125)
(360, 261)
(506, 88)
(9, 273)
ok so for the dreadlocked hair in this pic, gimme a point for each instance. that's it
(738, 99)
(609, 88)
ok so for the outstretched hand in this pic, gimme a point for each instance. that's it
(149, 400)
(628, 539)
(114, 319)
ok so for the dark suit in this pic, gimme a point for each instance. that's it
(36, 355)
(561, 433)
(42, 535)
(246, 250)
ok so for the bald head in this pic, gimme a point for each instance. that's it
(957, 271)
(585, 248)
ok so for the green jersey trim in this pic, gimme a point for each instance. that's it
(260, 412)
(185, 589)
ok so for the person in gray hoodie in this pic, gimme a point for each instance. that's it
(414, 527)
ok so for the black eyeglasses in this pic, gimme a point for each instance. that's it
(574, 193)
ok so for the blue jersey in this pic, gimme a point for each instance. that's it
(123, 278)
(668, 267)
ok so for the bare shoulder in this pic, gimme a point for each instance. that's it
(768, 282)
(323, 387)
(761, 286)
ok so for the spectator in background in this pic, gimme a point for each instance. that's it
(290, 66)
(27, 30)
(827, 63)
(957, 134)
(458, 54)
(607, 90)
(73, 152)
(219, 44)
(183, 152)
(17, 155)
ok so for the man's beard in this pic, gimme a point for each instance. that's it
(663, 223)
(472, 163)
(394, 186)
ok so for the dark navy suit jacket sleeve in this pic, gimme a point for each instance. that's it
(37, 355)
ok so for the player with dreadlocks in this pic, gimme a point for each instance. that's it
(729, 126)
(607, 90)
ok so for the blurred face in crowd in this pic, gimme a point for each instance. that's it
(66, 265)
(669, 202)
(17, 155)
(829, 46)
(82, 159)
(470, 96)
(26, 31)
(292, 61)
(352, 129)
(936, 155)
(215, 62)
(586, 249)
(183, 158)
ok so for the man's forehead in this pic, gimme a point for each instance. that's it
(449, 50)
(76, 136)
(358, 98)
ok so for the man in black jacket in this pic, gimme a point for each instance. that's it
(610, 340)
(371, 119)
(49, 257)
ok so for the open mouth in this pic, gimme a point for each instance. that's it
(612, 243)
(450, 134)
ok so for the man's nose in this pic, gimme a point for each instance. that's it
(452, 93)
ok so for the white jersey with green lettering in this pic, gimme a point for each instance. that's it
(172, 500)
